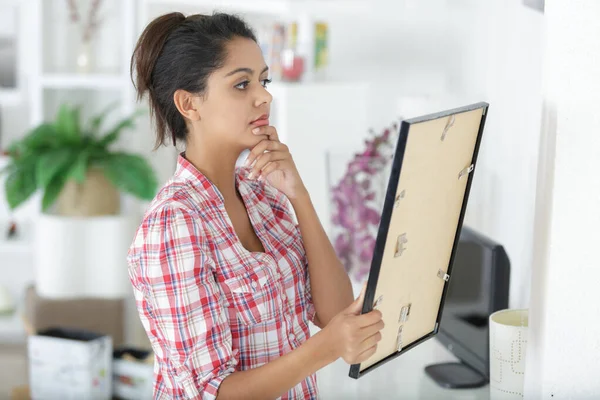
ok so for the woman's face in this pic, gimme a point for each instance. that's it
(236, 100)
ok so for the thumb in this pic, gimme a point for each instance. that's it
(356, 306)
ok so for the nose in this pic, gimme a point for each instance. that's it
(263, 97)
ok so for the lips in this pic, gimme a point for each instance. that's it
(261, 121)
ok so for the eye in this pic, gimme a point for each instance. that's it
(242, 85)
(265, 82)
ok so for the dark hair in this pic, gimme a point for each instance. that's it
(175, 52)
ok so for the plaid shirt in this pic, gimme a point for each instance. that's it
(209, 306)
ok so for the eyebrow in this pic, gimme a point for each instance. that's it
(248, 70)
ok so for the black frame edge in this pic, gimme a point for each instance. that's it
(383, 230)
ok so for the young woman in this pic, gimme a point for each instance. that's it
(225, 281)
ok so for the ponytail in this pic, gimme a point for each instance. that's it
(147, 50)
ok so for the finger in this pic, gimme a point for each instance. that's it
(356, 306)
(270, 167)
(274, 165)
(257, 150)
(268, 130)
(263, 160)
(371, 341)
(366, 354)
(372, 329)
(260, 148)
(369, 318)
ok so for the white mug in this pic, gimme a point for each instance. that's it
(508, 345)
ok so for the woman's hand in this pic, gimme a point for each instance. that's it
(352, 335)
(271, 160)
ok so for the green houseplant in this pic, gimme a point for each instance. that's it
(75, 166)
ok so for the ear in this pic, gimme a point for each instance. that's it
(188, 104)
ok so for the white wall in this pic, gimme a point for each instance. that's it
(422, 56)
(564, 339)
(503, 198)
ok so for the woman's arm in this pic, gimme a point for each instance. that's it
(350, 335)
(180, 304)
(277, 377)
(331, 289)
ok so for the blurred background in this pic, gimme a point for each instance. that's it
(344, 72)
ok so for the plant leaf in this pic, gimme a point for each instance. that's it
(79, 168)
(98, 154)
(52, 162)
(67, 124)
(97, 120)
(20, 184)
(53, 189)
(132, 174)
(42, 136)
(13, 149)
(114, 133)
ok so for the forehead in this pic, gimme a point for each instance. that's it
(244, 53)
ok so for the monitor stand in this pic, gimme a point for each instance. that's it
(455, 375)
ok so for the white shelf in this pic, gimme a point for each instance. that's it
(84, 81)
(15, 246)
(272, 7)
(42, 80)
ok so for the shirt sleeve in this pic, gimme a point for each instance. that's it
(185, 311)
(310, 307)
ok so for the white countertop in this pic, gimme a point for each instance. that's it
(401, 378)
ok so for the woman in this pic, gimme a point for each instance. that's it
(225, 281)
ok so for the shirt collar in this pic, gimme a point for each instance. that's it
(201, 183)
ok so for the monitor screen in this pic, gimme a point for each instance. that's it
(478, 287)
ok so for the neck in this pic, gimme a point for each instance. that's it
(217, 164)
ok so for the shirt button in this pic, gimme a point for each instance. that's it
(254, 284)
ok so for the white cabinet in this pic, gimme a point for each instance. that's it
(52, 78)
(56, 74)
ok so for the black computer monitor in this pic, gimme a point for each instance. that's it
(479, 286)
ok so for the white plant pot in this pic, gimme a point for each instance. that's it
(83, 257)
(508, 345)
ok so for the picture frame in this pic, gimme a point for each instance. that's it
(424, 207)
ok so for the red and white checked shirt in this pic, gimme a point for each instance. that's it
(209, 306)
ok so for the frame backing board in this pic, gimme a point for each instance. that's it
(420, 226)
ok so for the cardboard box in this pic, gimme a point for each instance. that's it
(133, 373)
(69, 364)
(98, 315)
(20, 393)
